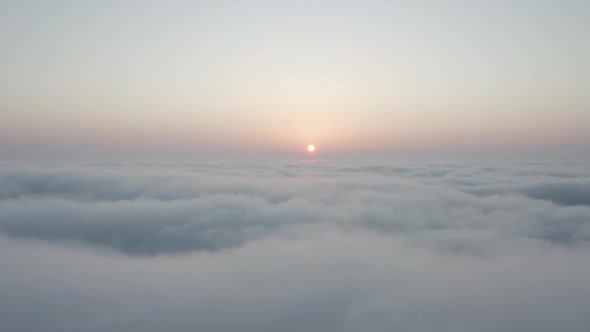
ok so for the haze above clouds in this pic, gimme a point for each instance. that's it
(267, 246)
(154, 80)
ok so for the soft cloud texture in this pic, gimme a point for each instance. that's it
(305, 246)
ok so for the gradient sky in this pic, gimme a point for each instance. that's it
(182, 79)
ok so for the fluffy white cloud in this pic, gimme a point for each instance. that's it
(295, 247)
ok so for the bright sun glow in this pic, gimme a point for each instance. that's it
(310, 148)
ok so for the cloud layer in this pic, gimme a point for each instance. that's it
(322, 246)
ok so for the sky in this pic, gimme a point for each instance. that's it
(190, 79)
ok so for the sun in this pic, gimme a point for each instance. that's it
(310, 148)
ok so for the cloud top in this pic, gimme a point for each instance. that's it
(329, 246)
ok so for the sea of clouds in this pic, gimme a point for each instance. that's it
(299, 246)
